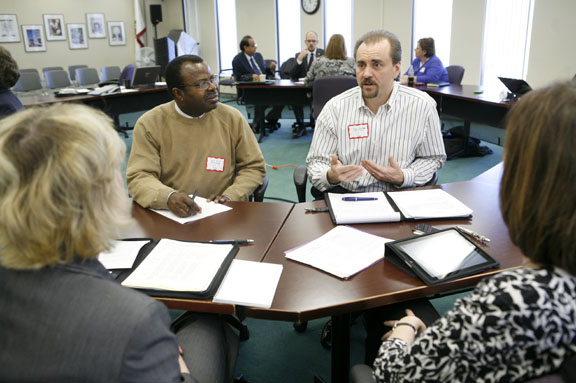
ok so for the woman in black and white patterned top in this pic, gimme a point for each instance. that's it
(518, 324)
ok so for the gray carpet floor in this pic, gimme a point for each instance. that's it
(275, 352)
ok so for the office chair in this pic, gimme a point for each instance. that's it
(51, 68)
(28, 81)
(327, 87)
(127, 74)
(56, 79)
(87, 76)
(72, 71)
(455, 74)
(110, 73)
(258, 194)
(29, 70)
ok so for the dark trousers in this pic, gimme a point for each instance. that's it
(374, 321)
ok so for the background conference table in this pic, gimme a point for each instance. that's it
(112, 104)
(306, 293)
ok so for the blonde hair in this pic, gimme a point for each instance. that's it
(61, 193)
(537, 195)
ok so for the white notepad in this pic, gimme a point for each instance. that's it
(208, 209)
(343, 251)
(122, 255)
(179, 266)
(251, 284)
(428, 204)
(352, 212)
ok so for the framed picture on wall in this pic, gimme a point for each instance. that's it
(9, 29)
(77, 38)
(33, 38)
(96, 25)
(54, 27)
(116, 33)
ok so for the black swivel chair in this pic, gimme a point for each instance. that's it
(455, 74)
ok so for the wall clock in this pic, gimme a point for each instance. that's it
(310, 6)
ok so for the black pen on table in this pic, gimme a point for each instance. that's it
(193, 198)
(233, 241)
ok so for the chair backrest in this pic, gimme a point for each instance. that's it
(87, 76)
(286, 67)
(455, 74)
(57, 79)
(72, 70)
(29, 70)
(51, 68)
(258, 193)
(28, 81)
(110, 73)
(127, 74)
(327, 87)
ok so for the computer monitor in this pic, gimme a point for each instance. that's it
(516, 87)
(145, 77)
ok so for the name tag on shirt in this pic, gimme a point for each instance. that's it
(215, 164)
(423, 70)
(357, 131)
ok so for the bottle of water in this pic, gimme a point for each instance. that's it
(411, 76)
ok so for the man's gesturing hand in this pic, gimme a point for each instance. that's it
(391, 174)
(342, 173)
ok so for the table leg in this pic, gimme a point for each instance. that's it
(341, 348)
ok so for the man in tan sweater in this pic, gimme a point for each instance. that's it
(192, 143)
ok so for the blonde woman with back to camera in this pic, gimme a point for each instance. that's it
(62, 317)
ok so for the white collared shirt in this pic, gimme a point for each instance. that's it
(407, 128)
(180, 112)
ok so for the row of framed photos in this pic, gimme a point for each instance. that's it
(78, 34)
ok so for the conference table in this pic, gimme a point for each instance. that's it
(135, 100)
(273, 92)
(305, 293)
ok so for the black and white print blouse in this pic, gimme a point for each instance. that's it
(514, 326)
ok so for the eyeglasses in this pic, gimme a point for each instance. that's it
(311, 41)
(202, 85)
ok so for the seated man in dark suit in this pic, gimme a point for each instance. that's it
(64, 319)
(248, 65)
(304, 60)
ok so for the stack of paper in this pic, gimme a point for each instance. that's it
(122, 256)
(208, 209)
(428, 204)
(343, 251)
(251, 284)
(363, 211)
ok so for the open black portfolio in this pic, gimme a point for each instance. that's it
(375, 207)
(179, 269)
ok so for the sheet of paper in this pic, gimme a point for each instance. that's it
(251, 284)
(122, 256)
(351, 212)
(179, 266)
(343, 251)
(208, 209)
(429, 203)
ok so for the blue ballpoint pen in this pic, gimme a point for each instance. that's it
(359, 198)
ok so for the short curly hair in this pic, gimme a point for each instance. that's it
(9, 74)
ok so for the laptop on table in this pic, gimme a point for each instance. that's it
(145, 77)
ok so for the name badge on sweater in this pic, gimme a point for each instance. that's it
(423, 70)
(215, 164)
(358, 131)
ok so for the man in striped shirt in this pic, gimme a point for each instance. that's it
(380, 135)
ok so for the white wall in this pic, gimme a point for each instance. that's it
(551, 54)
(99, 52)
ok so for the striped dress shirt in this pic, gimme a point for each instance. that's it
(407, 128)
